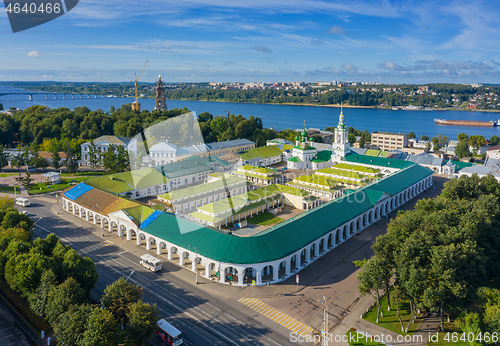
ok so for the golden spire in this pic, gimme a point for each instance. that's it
(159, 75)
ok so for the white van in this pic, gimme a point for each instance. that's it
(23, 202)
(151, 263)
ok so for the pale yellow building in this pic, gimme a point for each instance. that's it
(389, 141)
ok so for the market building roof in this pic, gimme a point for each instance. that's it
(128, 181)
(377, 161)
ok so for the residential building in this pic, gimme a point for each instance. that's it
(493, 152)
(389, 141)
(102, 144)
(162, 153)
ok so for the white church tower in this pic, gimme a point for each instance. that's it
(340, 145)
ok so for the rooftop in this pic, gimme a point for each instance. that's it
(128, 181)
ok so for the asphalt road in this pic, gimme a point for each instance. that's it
(203, 317)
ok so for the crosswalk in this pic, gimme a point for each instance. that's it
(277, 316)
(94, 247)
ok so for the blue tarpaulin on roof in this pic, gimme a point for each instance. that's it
(150, 219)
(77, 191)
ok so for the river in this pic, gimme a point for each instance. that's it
(284, 116)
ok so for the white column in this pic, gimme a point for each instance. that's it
(222, 273)
(170, 254)
(275, 272)
(138, 239)
(207, 270)
(258, 276)
(181, 258)
(148, 243)
(240, 277)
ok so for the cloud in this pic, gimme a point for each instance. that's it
(33, 54)
(389, 65)
(263, 49)
(350, 68)
(336, 30)
(225, 63)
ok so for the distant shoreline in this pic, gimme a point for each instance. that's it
(345, 106)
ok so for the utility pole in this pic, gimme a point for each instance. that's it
(325, 321)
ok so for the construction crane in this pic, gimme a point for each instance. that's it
(136, 106)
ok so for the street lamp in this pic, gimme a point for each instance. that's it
(32, 227)
(129, 275)
(325, 320)
(195, 263)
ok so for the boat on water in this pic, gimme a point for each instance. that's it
(467, 122)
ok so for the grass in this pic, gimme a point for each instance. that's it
(65, 183)
(4, 175)
(360, 341)
(390, 320)
(449, 328)
(265, 219)
(22, 306)
(7, 189)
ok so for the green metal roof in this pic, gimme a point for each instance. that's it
(342, 173)
(298, 231)
(356, 168)
(191, 165)
(138, 214)
(260, 152)
(322, 156)
(315, 179)
(377, 161)
(128, 181)
(459, 164)
(228, 180)
(295, 159)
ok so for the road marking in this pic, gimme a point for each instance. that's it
(277, 316)
(94, 247)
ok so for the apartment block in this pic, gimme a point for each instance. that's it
(389, 141)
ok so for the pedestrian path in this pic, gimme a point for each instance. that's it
(277, 316)
(94, 247)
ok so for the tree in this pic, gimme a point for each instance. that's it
(6, 203)
(82, 269)
(119, 296)
(38, 300)
(205, 116)
(56, 159)
(94, 158)
(361, 142)
(71, 325)
(371, 280)
(109, 159)
(62, 297)
(102, 329)
(24, 271)
(142, 318)
(412, 135)
(1, 107)
(71, 159)
(351, 138)
(122, 159)
(462, 149)
(4, 158)
(476, 142)
(462, 137)
(494, 140)
(26, 181)
(424, 138)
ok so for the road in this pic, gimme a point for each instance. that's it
(203, 317)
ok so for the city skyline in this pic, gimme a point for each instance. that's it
(282, 41)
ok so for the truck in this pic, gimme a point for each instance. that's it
(168, 333)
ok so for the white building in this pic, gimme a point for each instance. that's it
(493, 152)
(102, 144)
(162, 153)
(340, 144)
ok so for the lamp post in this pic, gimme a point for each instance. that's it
(32, 227)
(325, 320)
(195, 263)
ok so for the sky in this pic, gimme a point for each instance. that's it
(260, 41)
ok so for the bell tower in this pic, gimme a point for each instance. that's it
(340, 143)
(160, 104)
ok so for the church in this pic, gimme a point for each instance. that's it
(160, 104)
(305, 155)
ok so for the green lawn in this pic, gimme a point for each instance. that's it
(265, 219)
(65, 183)
(360, 341)
(390, 320)
(7, 189)
(4, 175)
(449, 329)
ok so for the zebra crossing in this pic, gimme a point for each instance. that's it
(94, 247)
(277, 316)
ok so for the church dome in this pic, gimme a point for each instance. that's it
(304, 133)
(297, 138)
(311, 139)
(303, 139)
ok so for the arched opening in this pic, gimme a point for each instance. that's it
(231, 274)
(114, 227)
(358, 224)
(267, 273)
(174, 254)
(312, 251)
(91, 216)
(209, 271)
(329, 242)
(282, 269)
(370, 216)
(160, 248)
(303, 257)
(365, 220)
(321, 246)
(293, 263)
(185, 260)
(337, 236)
(377, 213)
(249, 275)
